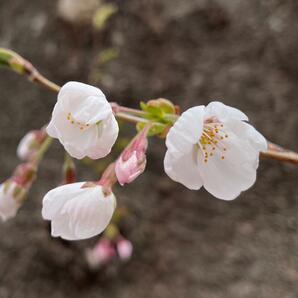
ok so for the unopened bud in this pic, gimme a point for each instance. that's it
(11, 198)
(132, 161)
(24, 174)
(164, 104)
(30, 144)
(124, 249)
(102, 253)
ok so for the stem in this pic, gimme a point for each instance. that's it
(44, 147)
(131, 118)
(35, 76)
(131, 111)
(278, 153)
(20, 65)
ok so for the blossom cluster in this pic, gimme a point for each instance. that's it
(209, 146)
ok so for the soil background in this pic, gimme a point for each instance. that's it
(187, 244)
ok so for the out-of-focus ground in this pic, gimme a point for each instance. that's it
(187, 244)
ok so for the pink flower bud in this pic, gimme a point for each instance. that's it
(124, 249)
(132, 161)
(24, 174)
(101, 254)
(30, 144)
(127, 171)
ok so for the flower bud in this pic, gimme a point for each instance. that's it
(24, 174)
(124, 249)
(30, 144)
(11, 197)
(163, 104)
(102, 253)
(132, 161)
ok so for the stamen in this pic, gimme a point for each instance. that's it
(80, 125)
(211, 139)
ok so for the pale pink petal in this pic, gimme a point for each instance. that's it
(107, 133)
(248, 132)
(223, 112)
(54, 200)
(186, 131)
(184, 169)
(90, 213)
(227, 178)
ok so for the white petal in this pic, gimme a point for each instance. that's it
(8, 205)
(248, 132)
(91, 110)
(226, 179)
(183, 169)
(105, 139)
(73, 93)
(89, 214)
(54, 200)
(224, 112)
(186, 131)
(60, 228)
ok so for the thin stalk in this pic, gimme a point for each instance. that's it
(278, 153)
(132, 111)
(131, 118)
(35, 76)
(42, 150)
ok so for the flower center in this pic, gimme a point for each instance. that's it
(80, 125)
(212, 140)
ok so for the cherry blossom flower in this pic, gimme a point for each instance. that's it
(77, 211)
(30, 144)
(213, 147)
(83, 121)
(11, 195)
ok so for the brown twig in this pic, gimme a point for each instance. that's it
(34, 76)
(281, 154)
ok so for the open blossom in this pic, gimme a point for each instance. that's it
(77, 211)
(213, 147)
(11, 196)
(83, 121)
(30, 144)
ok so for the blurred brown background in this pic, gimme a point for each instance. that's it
(187, 244)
